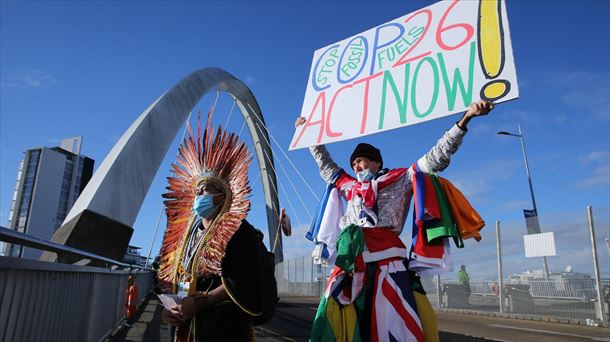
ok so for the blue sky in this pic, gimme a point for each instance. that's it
(90, 68)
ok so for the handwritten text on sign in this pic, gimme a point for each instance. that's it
(422, 66)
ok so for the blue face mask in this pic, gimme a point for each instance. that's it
(204, 205)
(364, 175)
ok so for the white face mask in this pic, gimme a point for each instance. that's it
(364, 175)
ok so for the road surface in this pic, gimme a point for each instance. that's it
(294, 316)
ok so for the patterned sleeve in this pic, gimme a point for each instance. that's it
(437, 159)
(326, 164)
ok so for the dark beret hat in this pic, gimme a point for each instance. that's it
(368, 151)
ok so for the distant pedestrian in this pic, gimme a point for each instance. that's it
(131, 298)
(495, 289)
(464, 279)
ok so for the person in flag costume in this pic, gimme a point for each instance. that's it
(371, 294)
(209, 251)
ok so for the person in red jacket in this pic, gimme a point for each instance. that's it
(131, 303)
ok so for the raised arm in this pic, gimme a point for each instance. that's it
(326, 164)
(439, 156)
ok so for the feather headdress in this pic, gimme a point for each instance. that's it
(221, 159)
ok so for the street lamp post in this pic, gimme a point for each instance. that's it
(529, 179)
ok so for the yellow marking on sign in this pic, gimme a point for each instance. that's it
(491, 38)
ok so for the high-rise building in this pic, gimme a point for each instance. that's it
(49, 181)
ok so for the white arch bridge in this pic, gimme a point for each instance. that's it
(101, 220)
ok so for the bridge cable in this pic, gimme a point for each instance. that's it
(276, 238)
(188, 119)
(230, 112)
(290, 181)
(258, 176)
(242, 127)
(289, 160)
(287, 197)
(215, 101)
(277, 233)
(295, 190)
(284, 170)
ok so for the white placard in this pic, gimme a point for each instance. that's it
(424, 65)
(539, 245)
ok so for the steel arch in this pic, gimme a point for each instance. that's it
(119, 186)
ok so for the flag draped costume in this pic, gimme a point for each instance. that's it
(200, 259)
(373, 293)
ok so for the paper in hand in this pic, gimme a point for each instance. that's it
(169, 300)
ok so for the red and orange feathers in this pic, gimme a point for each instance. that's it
(219, 158)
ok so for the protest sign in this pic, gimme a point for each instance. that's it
(425, 65)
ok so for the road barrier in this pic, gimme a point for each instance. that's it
(44, 301)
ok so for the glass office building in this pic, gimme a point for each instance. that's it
(49, 181)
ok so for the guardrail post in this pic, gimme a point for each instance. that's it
(500, 275)
(439, 296)
(311, 278)
(599, 308)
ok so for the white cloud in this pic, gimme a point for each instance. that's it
(595, 156)
(560, 118)
(482, 129)
(599, 176)
(296, 245)
(475, 182)
(585, 90)
(112, 138)
(528, 118)
(599, 173)
(473, 188)
(525, 117)
(515, 205)
(33, 78)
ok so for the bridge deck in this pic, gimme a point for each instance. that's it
(294, 316)
(149, 327)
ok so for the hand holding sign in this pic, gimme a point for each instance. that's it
(301, 120)
(479, 108)
(476, 109)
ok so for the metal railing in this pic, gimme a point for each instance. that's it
(514, 286)
(563, 289)
(15, 237)
(573, 289)
(301, 276)
(568, 299)
(42, 301)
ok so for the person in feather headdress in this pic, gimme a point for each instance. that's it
(210, 254)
